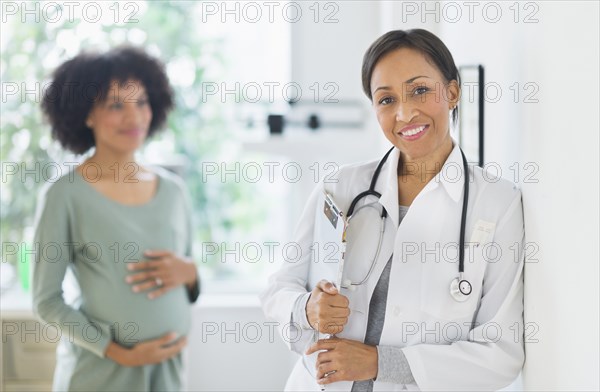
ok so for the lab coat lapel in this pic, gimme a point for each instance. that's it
(388, 187)
(433, 218)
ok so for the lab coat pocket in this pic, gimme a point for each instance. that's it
(436, 299)
(452, 315)
(438, 274)
(447, 316)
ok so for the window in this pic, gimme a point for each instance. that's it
(214, 67)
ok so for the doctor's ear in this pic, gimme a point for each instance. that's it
(452, 95)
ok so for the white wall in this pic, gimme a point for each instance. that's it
(561, 211)
(232, 347)
(332, 53)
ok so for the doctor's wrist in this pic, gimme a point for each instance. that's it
(299, 315)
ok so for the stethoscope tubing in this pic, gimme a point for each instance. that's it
(372, 192)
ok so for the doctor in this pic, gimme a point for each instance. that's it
(401, 320)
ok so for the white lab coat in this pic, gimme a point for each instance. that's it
(449, 345)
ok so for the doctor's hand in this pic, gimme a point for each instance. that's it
(327, 310)
(148, 352)
(164, 272)
(344, 360)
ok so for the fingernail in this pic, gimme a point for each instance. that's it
(128, 279)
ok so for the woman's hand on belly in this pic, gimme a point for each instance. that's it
(164, 272)
(148, 352)
(344, 360)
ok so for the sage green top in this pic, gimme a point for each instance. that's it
(79, 228)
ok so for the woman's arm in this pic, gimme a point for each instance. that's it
(193, 288)
(54, 253)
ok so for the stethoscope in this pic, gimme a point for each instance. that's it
(460, 288)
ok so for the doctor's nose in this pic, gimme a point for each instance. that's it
(405, 112)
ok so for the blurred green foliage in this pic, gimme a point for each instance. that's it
(197, 131)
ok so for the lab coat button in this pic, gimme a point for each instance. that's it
(397, 311)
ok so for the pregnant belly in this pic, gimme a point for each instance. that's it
(134, 318)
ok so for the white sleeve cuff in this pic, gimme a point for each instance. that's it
(299, 312)
(393, 366)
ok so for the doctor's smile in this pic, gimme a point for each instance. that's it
(413, 132)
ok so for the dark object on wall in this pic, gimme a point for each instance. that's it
(471, 109)
(276, 123)
(314, 122)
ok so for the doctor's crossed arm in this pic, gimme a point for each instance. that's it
(344, 360)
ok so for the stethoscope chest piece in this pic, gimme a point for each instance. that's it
(460, 289)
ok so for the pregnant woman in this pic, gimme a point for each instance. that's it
(117, 232)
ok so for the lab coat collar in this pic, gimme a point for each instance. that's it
(450, 176)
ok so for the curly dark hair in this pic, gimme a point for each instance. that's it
(78, 84)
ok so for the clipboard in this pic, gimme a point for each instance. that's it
(329, 249)
(329, 244)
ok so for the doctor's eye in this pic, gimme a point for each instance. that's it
(420, 90)
(385, 101)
